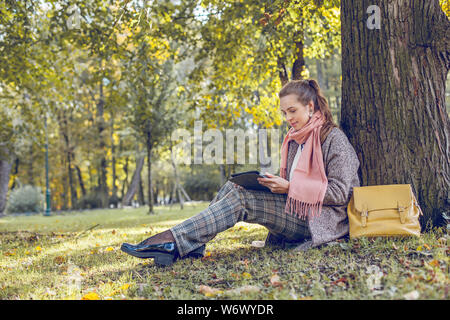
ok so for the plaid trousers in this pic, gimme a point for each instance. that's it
(233, 204)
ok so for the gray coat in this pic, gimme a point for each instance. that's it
(341, 167)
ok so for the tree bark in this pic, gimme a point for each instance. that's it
(126, 201)
(393, 98)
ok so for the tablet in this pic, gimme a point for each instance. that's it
(248, 180)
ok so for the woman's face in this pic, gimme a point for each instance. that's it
(296, 114)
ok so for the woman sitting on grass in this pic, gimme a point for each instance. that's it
(307, 203)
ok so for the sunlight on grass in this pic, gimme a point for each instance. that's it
(77, 256)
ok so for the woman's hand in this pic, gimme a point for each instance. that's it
(274, 183)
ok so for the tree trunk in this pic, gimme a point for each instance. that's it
(320, 74)
(393, 97)
(73, 190)
(126, 201)
(223, 177)
(64, 130)
(80, 180)
(155, 195)
(282, 72)
(141, 199)
(102, 183)
(149, 174)
(185, 193)
(5, 169)
(15, 172)
(299, 64)
(177, 180)
(30, 167)
(113, 160)
(65, 185)
(125, 181)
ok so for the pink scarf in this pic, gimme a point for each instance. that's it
(309, 181)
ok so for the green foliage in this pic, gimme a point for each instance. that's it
(91, 200)
(202, 184)
(131, 71)
(25, 199)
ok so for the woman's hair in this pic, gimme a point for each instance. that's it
(307, 90)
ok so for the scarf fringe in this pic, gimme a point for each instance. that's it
(301, 209)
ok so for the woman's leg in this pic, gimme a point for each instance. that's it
(231, 205)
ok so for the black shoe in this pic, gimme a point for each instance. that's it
(163, 253)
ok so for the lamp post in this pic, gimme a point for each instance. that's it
(47, 193)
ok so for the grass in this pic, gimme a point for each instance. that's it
(76, 255)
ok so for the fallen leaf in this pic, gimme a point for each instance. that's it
(59, 260)
(340, 281)
(275, 280)
(413, 295)
(208, 291)
(10, 253)
(434, 263)
(258, 244)
(245, 262)
(243, 289)
(125, 286)
(216, 281)
(50, 292)
(91, 296)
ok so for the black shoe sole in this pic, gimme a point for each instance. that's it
(196, 254)
(161, 258)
